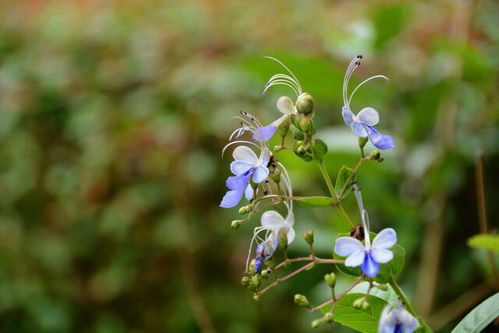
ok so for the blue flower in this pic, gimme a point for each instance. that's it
(272, 225)
(396, 319)
(363, 123)
(286, 107)
(366, 256)
(246, 166)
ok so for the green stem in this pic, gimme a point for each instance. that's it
(406, 302)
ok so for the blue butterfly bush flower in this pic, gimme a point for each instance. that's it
(368, 256)
(396, 319)
(363, 123)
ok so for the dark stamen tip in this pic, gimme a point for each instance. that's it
(359, 56)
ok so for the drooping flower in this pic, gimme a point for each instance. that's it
(246, 166)
(363, 123)
(368, 256)
(396, 319)
(284, 104)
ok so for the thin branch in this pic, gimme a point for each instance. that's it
(356, 282)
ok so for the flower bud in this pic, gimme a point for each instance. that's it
(256, 281)
(244, 210)
(330, 279)
(375, 155)
(316, 323)
(256, 297)
(265, 273)
(365, 305)
(296, 133)
(305, 103)
(305, 122)
(283, 240)
(269, 263)
(245, 281)
(252, 265)
(309, 237)
(357, 304)
(301, 300)
(235, 224)
(362, 141)
(328, 317)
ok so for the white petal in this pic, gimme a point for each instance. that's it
(264, 158)
(291, 235)
(285, 105)
(278, 122)
(359, 129)
(355, 259)
(260, 174)
(345, 246)
(382, 256)
(368, 116)
(239, 167)
(249, 192)
(385, 239)
(244, 153)
(272, 220)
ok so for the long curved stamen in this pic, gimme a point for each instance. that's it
(348, 73)
(287, 182)
(239, 141)
(289, 71)
(364, 82)
(239, 131)
(363, 214)
(280, 82)
(256, 231)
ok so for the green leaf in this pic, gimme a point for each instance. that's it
(319, 148)
(318, 201)
(358, 319)
(480, 316)
(344, 175)
(489, 242)
(392, 268)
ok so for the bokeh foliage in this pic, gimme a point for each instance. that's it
(112, 119)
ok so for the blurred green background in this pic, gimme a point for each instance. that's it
(112, 119)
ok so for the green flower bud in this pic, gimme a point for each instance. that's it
(357, 304)
(328, 317)
(252, 265)
(375, 155)
(235, 224)
(256, 281)
(265, 273)
(269, 263)
(296, 133)
(284, 127)
(319, 148)
(330, 279)
(305, 103)
(245, 281)
(301, 300)
(316, 323)
(362, 141)
(309, 237)
(365, 305)
(256, 297)
(283, 240)
(305, 122)
(244, 210)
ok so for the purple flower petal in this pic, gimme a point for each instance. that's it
(359, 129)
(369, 267)
(249, 192)
(347, 115)
(238, 183)
(231, 199)
(260, 174)
(380, 141)
(264, 133)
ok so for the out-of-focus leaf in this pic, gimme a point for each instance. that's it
(345, 174)
(490, 242)
(317, 201)
(479, 317)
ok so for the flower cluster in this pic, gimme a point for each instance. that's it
(263, 180)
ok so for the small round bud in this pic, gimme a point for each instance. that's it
(382, 286)
(256, 280)
(256, 297)
(235, 224)
(301, 300)
(305, 103)
(375, 155)
(265, 273)
(328, 317)
(245, 281)
(316, 323)
(305, 122)
(296, 133)
(269, 263)
(362, 141)
(330, 279)
(357, 304)
(365, 305)
(252, 266)
(309, 237)
(244, 210)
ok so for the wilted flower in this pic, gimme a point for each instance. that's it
(368, 256)
(396, 319)
(363, 123)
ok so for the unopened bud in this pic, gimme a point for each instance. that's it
(244, 210)
(256, 281)
(252, 266)
(365, 305)
(265, 273)
(362, 141)
(269, 263)
(235, 224)
(245, 281)
(256, 297)
(283, 240)
(316, 323)
(301, 300)
(330, 279)
(309, 237)
(357, 304)
(305, 122)
(305, 103)
(375, 155)
(296, 133)
(328, 317)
